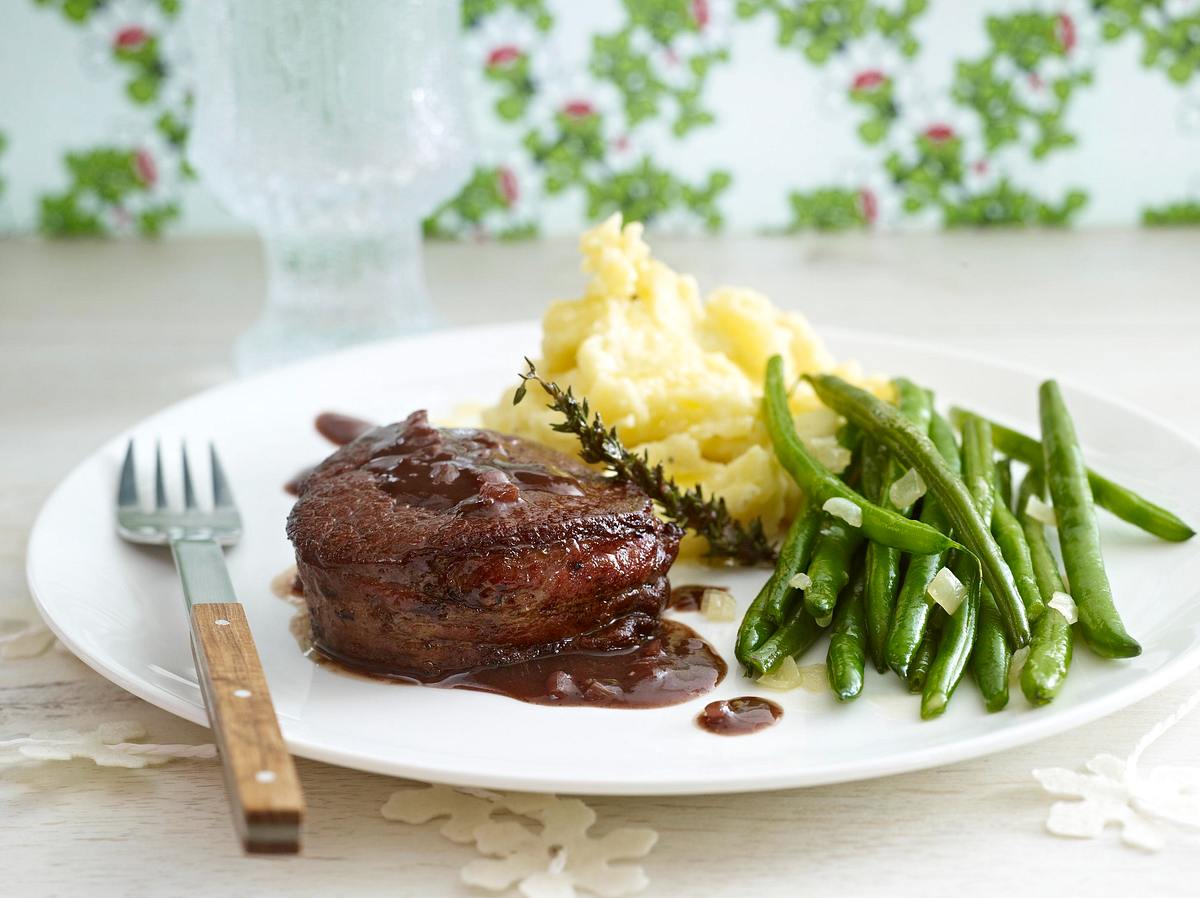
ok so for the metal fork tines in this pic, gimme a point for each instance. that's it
(163, 523)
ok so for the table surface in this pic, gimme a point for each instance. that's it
(95, 336)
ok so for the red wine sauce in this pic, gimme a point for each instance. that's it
(688, 598)
(739, 716)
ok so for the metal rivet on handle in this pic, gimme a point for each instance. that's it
(265, 776)
(221, 622)
(241, 693)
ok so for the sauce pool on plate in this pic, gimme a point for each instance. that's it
(338, 429)
(689, 597)
(739, 716)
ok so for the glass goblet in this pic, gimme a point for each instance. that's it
(334, 126)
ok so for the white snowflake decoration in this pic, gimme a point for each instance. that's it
(552, 859)
(109, 745)
(464, 810)
(23, 639)
(1117, 791)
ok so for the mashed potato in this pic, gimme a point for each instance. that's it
(680, 377)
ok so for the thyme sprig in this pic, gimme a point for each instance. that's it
(690, 508)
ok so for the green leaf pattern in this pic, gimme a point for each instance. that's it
(130, 189)
(592, 131)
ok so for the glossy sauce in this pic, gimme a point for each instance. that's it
(689, 597)
(459, 470)
(339, 430)
(674, 666)
(287, 585)
(739, 716)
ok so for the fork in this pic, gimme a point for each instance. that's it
(260, 777)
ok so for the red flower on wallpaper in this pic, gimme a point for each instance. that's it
(1064, 30)
(506, 179)
(578, 109)
(144, 165)
(939, 133)
(868, 80)
(868, 202)
(130, 37)
(504, 56)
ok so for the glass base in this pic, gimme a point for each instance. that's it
(331, 292)
(270, 343)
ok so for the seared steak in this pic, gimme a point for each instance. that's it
(425, 551)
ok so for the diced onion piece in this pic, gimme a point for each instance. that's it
(1064, 605)
(786, 676)
(814, 677)
(790, 675)
(1041, 511)
(908, 489)
(801, 581)
(1018, 661)
(947, 590)
(829, 452)
(718, 605)
(844, 509)
(825, 621)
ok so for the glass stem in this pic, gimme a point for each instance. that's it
(331, 290)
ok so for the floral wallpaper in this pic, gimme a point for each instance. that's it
(931, 132)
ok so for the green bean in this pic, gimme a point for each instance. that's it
(874, 466)
(1010, 537)
(991, 659)
(829, 570)
(793, 638)
(915, 404)
(849, 436)
(883, 562)
(847, 643)
(1045, 568)
(957, 639)
(922, 659)
(819, 485)
(1051, 647)
(979, 468)
(794, 555)
(1121, 501)
(770, 605)
(1004, 482)
(1078, 532)
(941, 434)
(1049, 659)
(913, 605)
(883, 580)
(880, 420)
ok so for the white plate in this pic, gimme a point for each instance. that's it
(118, 607)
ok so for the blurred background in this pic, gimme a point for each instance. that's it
(743, 116)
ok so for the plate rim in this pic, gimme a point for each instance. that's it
(908, 761)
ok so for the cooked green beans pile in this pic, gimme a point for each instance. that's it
(956, 579)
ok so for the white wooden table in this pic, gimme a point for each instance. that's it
(93, 337)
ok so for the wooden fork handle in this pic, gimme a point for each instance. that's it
(264, 791)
